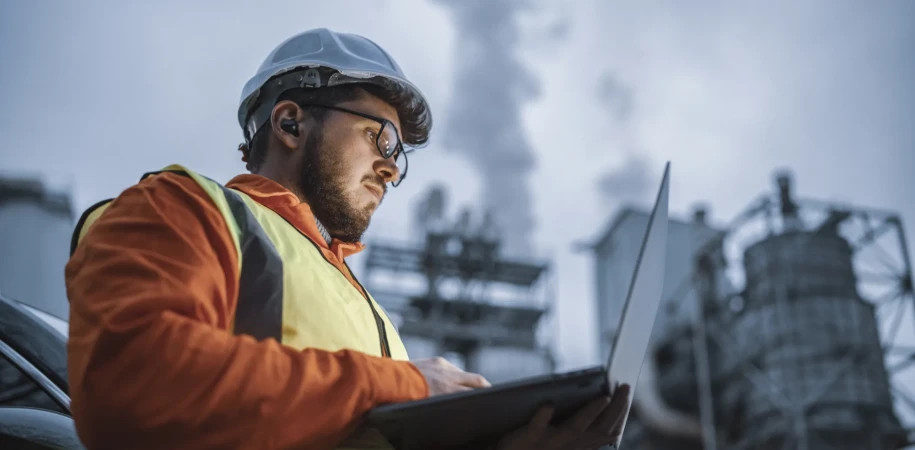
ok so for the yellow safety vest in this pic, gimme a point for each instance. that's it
(287, 290)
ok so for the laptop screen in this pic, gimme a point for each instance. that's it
(631, 341)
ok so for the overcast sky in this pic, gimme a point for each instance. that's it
(587, 100)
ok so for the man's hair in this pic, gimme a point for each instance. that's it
(413, 116)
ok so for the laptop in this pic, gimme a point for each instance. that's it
(472, 418)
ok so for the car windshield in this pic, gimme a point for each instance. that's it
(56, 323)
(31, 341)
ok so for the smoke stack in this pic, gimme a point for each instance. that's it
(783, 180)
(700, 213)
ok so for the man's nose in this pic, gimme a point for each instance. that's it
(387, 169)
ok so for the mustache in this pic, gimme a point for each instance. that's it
(378, 182)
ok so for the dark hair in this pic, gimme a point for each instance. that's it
(416, 122)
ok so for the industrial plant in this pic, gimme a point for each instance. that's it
(782, 330)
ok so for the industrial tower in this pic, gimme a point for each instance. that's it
(453, 293)
(798, 333)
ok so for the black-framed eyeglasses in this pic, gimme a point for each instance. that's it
(387, 139)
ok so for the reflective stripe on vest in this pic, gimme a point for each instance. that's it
(287, 290)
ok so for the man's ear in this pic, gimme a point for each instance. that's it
(288, 113)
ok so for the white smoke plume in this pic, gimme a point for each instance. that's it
(484, 118)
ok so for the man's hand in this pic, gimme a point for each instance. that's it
(598, 423)
(444, 378)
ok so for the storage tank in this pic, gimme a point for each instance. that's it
(810, 349)
(36, 226)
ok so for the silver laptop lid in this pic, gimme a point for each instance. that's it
(631, 341)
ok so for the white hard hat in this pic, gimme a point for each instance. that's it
(320, 58)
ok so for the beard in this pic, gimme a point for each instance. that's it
(323, 185)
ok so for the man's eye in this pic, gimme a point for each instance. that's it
(371, 135)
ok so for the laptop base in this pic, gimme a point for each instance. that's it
(482, 416)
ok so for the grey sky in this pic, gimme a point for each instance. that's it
(97, 93)
(485, 123)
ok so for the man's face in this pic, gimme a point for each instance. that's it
(344, 177)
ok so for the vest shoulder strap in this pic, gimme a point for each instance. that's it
(89, 216)
(259, 308)
(217, 193)
(215, 190)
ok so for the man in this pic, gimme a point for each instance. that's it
(210, 316)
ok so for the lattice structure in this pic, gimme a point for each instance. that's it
(806, 352)
(455, 294)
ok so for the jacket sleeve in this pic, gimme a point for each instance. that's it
(152, 364)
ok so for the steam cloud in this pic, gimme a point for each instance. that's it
(631, 181)
(484, 120)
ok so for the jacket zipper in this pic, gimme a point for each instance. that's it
(379, 323)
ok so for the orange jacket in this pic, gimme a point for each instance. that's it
(152, 363)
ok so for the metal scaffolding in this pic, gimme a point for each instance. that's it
(805, 351)
(456, 291)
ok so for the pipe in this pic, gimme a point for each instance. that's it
(655, 413)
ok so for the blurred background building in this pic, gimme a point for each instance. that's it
(35, 227)
(779, 331)
(453, 293)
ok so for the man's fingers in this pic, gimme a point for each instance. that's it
(473, 380)
(541, 418)
(460, 388)
(444, 378)
(612, 417)
(536, 427)
(442, 362)
(620, 406)
(594, 440)
(585, 416)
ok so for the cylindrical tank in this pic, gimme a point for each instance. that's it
(676, 371)
(811, 348)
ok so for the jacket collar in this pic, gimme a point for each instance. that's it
(299, 214)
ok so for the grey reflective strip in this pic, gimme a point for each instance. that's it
(260, 290)
(259, 312)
